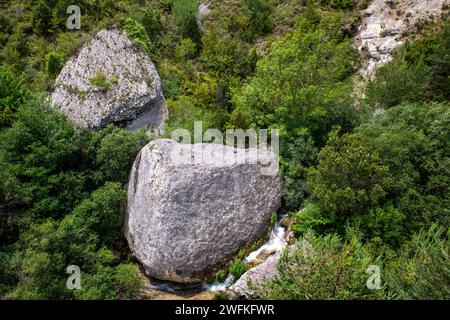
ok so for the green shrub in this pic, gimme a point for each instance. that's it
(42, 18)
(229, 56)
(313, 217)
(423, 268)
(383, 225)
(184, 113)
(185, 12)
(172, 87)
(12, 95)
(139, 35)
(53, 64)
(220, 276)
(307, 73)
(259, 13)
(321, 268)
(300, 153)
(411, 139)
(186, 49)
(102, 213)
(237, 267)
(183, 8)
(47, 248)
(121, 282)
(397, 82)
(128, 280)
(342, 4)
(152, 23)
(115, 154)
(350, 178)
(439, 80)
(388, 178)
(55, 166)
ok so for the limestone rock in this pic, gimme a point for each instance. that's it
(110, 80)
(385, 27)
(186, 219)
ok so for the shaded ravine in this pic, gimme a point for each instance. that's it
(165, 290)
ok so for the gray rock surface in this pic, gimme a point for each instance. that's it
(242, 288)
(129, 91)
(386, 24)
(186, 219)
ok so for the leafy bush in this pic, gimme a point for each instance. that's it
(229, 56)
(139, 34)
(300, 153)
(350, 178)
(78, 239)
(102, 212)
(342, 4)
(259, 13)
(185, 12)
(114, 162)
(397, 82)
(12, 95)
(53, 64)
(313, 217)
(181, 9)
(171, 87)
(423, 268)
(128, 281)
(321, 268)
(388, 177)
(439, 80)
(383, 225)
(220, 276)
(184, 114)
(152, 23)
(54, 165)
(100, 80)
(42, 18)
(419, 73)
(306, 71)
(186, 49)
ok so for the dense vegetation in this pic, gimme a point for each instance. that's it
(371, 171)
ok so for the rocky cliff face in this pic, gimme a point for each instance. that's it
(110, 80)
(386, 24)
(184, 220)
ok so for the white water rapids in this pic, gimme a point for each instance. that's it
(276, 243)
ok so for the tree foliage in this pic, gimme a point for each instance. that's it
(321, 268)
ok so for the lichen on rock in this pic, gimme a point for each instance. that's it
(185, 220)
(111, 80)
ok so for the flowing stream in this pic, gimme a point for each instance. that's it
(276, 243)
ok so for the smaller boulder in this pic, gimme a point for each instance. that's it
(111, 80)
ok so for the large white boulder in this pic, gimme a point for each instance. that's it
(186, 219)
(111, 80)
